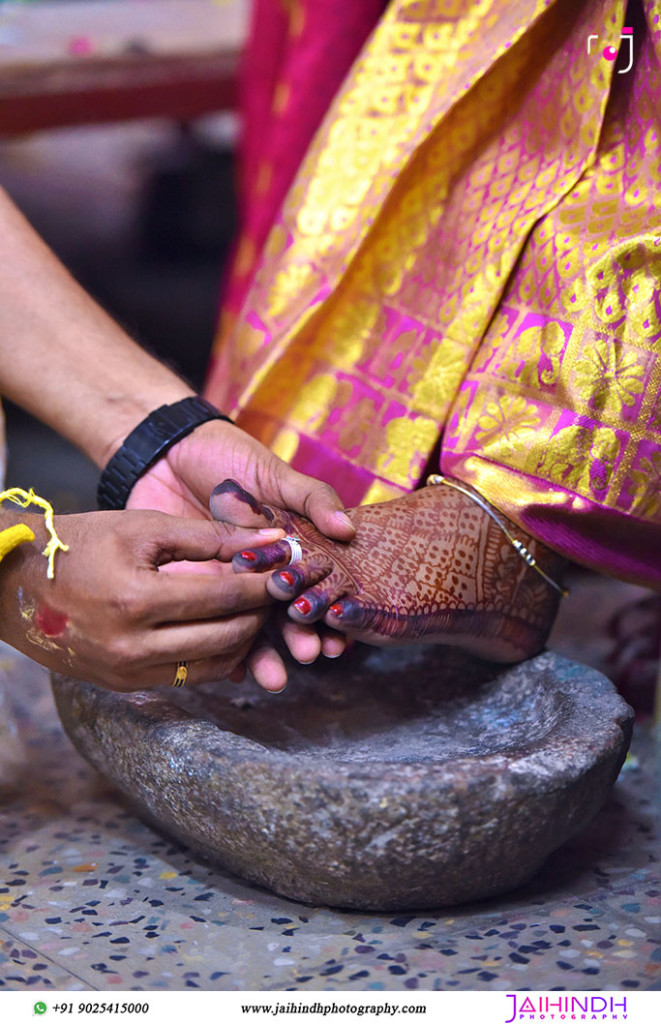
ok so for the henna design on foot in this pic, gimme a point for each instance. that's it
(428, 567)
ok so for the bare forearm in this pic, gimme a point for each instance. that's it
(61, 357)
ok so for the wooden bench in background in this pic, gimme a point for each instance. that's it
(115, 60)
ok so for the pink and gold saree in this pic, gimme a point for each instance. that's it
(466, 265)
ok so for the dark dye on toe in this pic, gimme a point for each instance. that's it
(240, 493)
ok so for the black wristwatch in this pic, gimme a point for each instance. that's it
(147, 443)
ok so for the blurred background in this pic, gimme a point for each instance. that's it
(139, 208)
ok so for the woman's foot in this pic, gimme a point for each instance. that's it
(428, 567)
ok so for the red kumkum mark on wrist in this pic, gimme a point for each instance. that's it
(50, 622)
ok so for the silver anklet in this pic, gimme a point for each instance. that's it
(527, 556)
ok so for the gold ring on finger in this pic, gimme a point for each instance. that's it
(181, 675)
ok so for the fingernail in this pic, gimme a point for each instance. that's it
(331, 656)
(287, 577)
(303, 605)
(249, 556)
(337, 609)
(271, 532)
(343, 518)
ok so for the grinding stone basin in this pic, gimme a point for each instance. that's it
(386, 780)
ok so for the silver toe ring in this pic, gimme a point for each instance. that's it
(295, 548)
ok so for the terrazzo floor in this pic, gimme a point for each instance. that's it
(93, 899)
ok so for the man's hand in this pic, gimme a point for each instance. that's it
(181, 483)
(113, 617)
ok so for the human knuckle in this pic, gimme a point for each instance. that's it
(132, 602)
(324, 490)
(321, 491)
(225, 601)
(220, 667)
(120, 655)
(231, 633)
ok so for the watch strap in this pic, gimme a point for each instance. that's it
(150, 440)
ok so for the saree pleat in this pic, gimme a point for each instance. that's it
(297, 55)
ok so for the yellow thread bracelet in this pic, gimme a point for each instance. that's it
(9, 540)
(13, 536)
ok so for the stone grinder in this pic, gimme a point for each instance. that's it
(387, 780)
